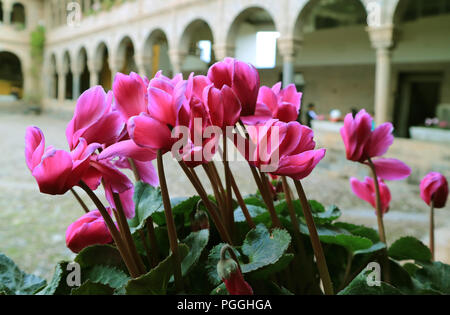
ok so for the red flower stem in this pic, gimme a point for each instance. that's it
(214, 184)
(149, 222)
(192, 176)
(269, 201)
(80, 201)
(315, 241)
(432, 229)
(293, 216)
(241, 203)
(212, 165)
(127, 234)
(171, 228)
(229, 196)
(379, 211)
(112, 229)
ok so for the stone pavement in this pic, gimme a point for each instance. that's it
(33, 225)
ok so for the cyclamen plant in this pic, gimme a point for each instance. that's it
(143, 242)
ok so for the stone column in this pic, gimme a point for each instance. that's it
(7, 10)
(94, 70)
(221, 51)
(288, 48)
(382, 41)
(143, 63)
(115, 65)
(177, 58)
(62, 86)
(76, 85)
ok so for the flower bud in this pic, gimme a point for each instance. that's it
(231, 275)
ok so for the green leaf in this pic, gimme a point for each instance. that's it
(107, 255)
(196, 241)
(58, 284)
(359, 286)
(92, 288)
(434, 277)
(359, 230)
(333, 213)
(15, 281)
(266, 271)
(155, 282)
(409, 248)
(147, 200)
(107, 275)
(263, 248)
(334, 235)
(372, 249)
(254, 211)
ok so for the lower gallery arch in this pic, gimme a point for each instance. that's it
(253, 36)
(11, 77)
(156, 54)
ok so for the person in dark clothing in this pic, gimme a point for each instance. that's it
(310, 114)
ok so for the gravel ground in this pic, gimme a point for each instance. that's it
(32, 225)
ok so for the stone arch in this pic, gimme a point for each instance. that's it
(155, 53)
(18, 16)
(1, 11)
(125, 56)
(310, 18)
(53, 77)
(83, 69)
(412, 10)
(198, 58)
(67, 71)
(101, 66)
(11, 75)
(241, 40)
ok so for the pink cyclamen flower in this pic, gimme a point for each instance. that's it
(242, 77)
(361, 144)
(90, 229)
(434, 187)
(366, 191)
(281, 104)
(56, 171)
(280, 148)
(94, 119)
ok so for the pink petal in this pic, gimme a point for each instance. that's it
(380, 140)
(116, 179)
(287, 112)
(391, 169)
(129, 149)
(150, 133)
(34, 146)
(53, 172)
(147, 172)
(363, 190)
(130, 95)
(301, 165)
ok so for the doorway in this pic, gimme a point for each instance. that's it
(418, 98)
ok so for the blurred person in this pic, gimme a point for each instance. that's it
(311, 114)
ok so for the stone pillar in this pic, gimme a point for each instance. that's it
(115, 65)
(177, 58)
(62, 86)
(76, 85)
(143, 63)
(7, 10)
(382, 41)
(221, 51)
(288, 48)
(94, 71)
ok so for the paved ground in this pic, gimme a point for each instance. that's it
(32, 225)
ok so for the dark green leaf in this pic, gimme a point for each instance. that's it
(359, 230)
(263, 248)
(220, 290)
(147, 200)
(92, 288)
(266, 271)
(107, 275)
(58, 284)
(434, 277)
(15, 281)
(155, 282)
(334, 235)
(107, 255)
(359, 286)
(409, 248)
(254, 211)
